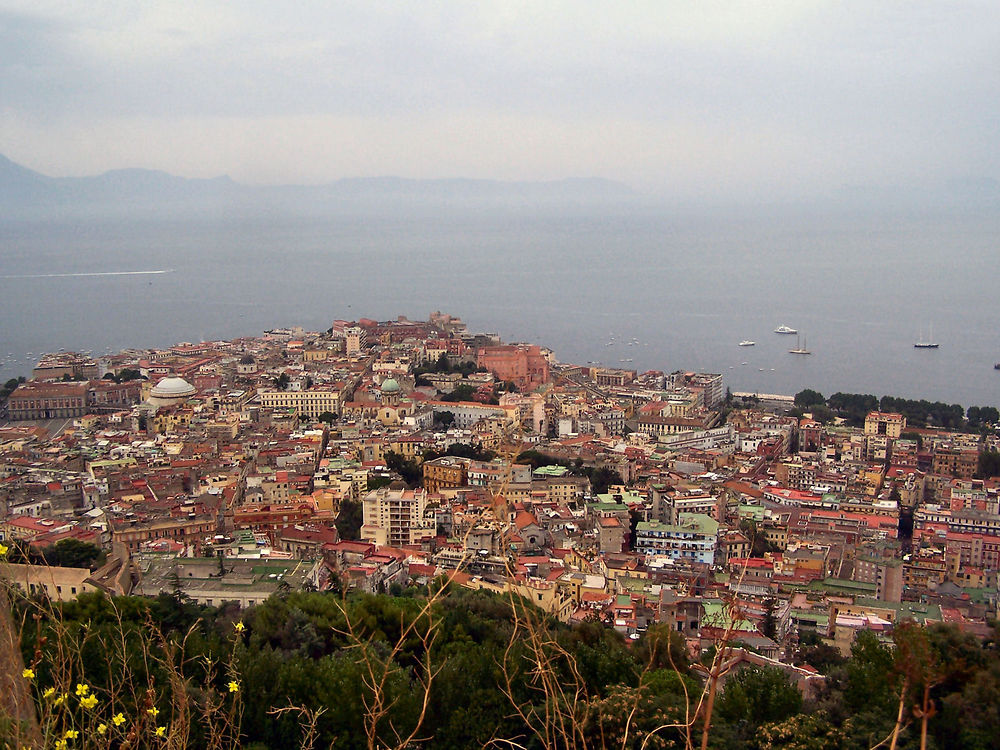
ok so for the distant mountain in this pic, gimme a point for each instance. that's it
(26, 193)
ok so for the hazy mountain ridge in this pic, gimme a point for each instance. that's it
(24, 192)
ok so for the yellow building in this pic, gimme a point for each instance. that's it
(446, 472)
(885, 423)
(312, 402)
(57, 583)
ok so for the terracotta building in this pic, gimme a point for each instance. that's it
(522, 364)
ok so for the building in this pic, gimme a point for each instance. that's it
(394, 517)
(216, 581)
(693, 538)
(445, 473)
(107, 395)
(43, 400)
(522, 364)
(468, 413)
(885, 423)
(187, 530)
(311, 402)
(170, 391)
(355, 338)
(709, 384)
(56, 583)
(953, 462)
(65, 364)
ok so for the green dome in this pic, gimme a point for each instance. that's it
(389, 385)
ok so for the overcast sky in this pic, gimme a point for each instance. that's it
(692, 97)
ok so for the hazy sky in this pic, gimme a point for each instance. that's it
(692, 97)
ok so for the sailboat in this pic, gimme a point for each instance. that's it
(800, 347)
(929, 344)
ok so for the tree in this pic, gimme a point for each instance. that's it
(444, 418)
(350, 519)
(758, 542)
(73, 553)
(917, 665)
(461, 392)
(328, 416)
(406, 468)
(757, 696)
(809, 731)
(601, 478)
(808, 397)
(814, 652)
(281, 382)
(769, 627)
(989, 464)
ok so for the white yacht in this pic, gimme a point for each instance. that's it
(747, 342)
(784, 329)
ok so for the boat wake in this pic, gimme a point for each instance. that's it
(86, 273)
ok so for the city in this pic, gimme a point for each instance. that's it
(613, 483)
(382, 456)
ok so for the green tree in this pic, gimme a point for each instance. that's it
(755, 696)
(73, 553)
(407, 468)
(461, 392)
(808, 731)
(989, 464)
(328, 416)
(601, 478)
(444, 418)
(349, 519)
(808, 397)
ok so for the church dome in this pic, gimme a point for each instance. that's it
(389, 385)
(171, 388)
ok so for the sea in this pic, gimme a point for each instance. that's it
(640, 287)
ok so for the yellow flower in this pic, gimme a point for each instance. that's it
(28, 674)
(154, 711)
(161, 732)
(89, 702)
(234, 686)
(82, 689)
(49, 692)
(118, 719)
(240, 627)
(4, 549)
(61, 699)
(102, 728)
(60, 744)
(71, 734)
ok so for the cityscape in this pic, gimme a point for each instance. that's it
(379, 457)
(499, 376)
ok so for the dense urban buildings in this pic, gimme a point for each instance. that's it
(382, 454)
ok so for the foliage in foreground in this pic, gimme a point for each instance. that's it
(370, 671)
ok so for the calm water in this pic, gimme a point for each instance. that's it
(663, 290)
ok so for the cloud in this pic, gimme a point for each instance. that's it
(665, 94)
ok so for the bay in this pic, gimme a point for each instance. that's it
(643, 287)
